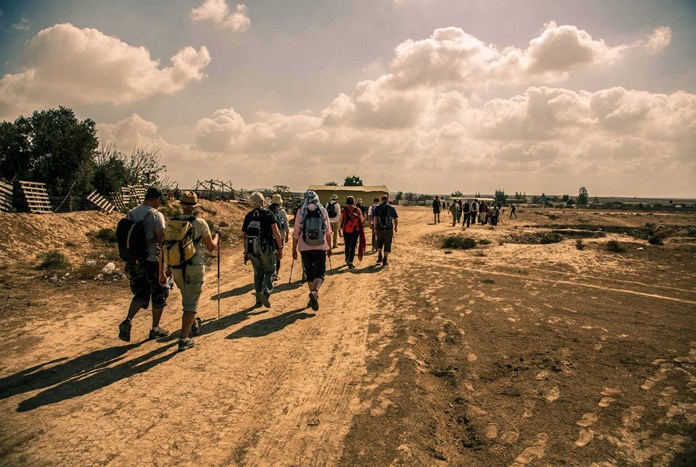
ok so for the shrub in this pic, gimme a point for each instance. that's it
(170, 209)
(579, 244)
(53, 259)
(552, 217)
(224, 224)
(550, 238)
(70, 244)
(614, 246)
(484, 241)
(461, 243)
(106, 235)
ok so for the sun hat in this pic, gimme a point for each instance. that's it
(277, 199)
(257, 199)
(189, 199)
(334, 197)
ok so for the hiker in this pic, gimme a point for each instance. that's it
(466, 210)
(474, 211)
(459, 210)
(312, 235)
(281, 216)
(453, 212)
(385, 223)
(483, 211)
(496, 214)
(513, 211)
(262, 245)
(352, 227)
(333, 209)
(363, 209)
(370, 216)
(436, 210)
(147, 279)
(188, 233)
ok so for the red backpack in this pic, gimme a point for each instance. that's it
(351, 220)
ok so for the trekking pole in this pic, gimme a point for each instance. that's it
(218, 278)
(292, 265)
(331, 266)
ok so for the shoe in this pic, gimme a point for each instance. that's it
(186, 343)
(384, 263)
(314, 300)
(379, 259)
(263, 298)
(351, 266)
(124, 330)
(258, 305)
(196, 327)
(158, 333)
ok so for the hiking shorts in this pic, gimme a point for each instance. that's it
(314, 264)
(144, 283)
(191, 286)
(384, 239)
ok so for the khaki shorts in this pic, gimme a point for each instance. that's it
(192, 287)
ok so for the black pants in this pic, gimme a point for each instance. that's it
(351, 241)
(467, 219)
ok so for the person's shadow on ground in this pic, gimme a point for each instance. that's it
(235, 292)
(268, 326)
(80, 376)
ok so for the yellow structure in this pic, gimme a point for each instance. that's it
(367, 193)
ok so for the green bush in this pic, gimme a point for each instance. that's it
(550, 238)
(461, 243)
(53, 259)
(170, 209)
(106, 235)
(615, 247)
(484, 241)
(579, 244)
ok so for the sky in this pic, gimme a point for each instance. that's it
(429, 96)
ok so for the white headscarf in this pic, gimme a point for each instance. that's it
(311, 197)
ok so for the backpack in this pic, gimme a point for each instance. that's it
(351, 220)
(179, 245)
(254, 242)
(275, 209)
(313, 228)
(384, 218)
(331, 209)
(131, 239)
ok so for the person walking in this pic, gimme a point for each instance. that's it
(334, 211)
(436, 210)
(281, 216)
(466, 210)
(353, 231)
(370, 216)
(453, 213)
(483, 212)
(312, 236)
(460, 209)
(474, 211)
(262, 245)
(146, 278)
(385, 223)
(513, 211)
(188, 233)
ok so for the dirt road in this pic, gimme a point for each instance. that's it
(508, 354)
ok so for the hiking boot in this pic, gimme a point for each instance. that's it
(351, 266)
(158, 333)
(314, 300)
(196, 327)
(124, 330)
(384, 263)
(258, 304)
(263, 298)
(379, 259)
(186, 343)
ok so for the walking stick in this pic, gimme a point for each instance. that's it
(331, 266)
(292, 265)
(218, 278)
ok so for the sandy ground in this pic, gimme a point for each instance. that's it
(506, 354)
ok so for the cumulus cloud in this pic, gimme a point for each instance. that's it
(219, 13)
(71, 66)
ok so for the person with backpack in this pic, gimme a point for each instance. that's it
(453, 212)
(386, 222)
(281, 216)
(352, 227)
(312, 236)
(466, 209)
(474, 211)
(333, 209)
(140, 235)
(183, 244)
(436, 210)
(262, 245)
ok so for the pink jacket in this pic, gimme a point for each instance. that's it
(297, 231)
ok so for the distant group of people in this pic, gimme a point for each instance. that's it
(471, 211)
(160, 253)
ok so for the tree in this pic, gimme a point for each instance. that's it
(583, 197)
(50, 146)
(568, 200)
(457, 194)
(109, 171)
(500, 197)
(521, 197)
(330, 184)
(353, 180)
(399, 196)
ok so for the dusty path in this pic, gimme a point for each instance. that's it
(365, 384)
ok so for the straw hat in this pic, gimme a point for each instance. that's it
(334, 197)
(189, 199)
(277, 199)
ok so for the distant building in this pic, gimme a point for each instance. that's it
(367, 193)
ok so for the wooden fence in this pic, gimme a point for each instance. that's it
(37, 197)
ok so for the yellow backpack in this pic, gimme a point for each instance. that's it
(179, 245)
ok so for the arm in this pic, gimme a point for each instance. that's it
(212, 243)
(278, 240)
(159, 235)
